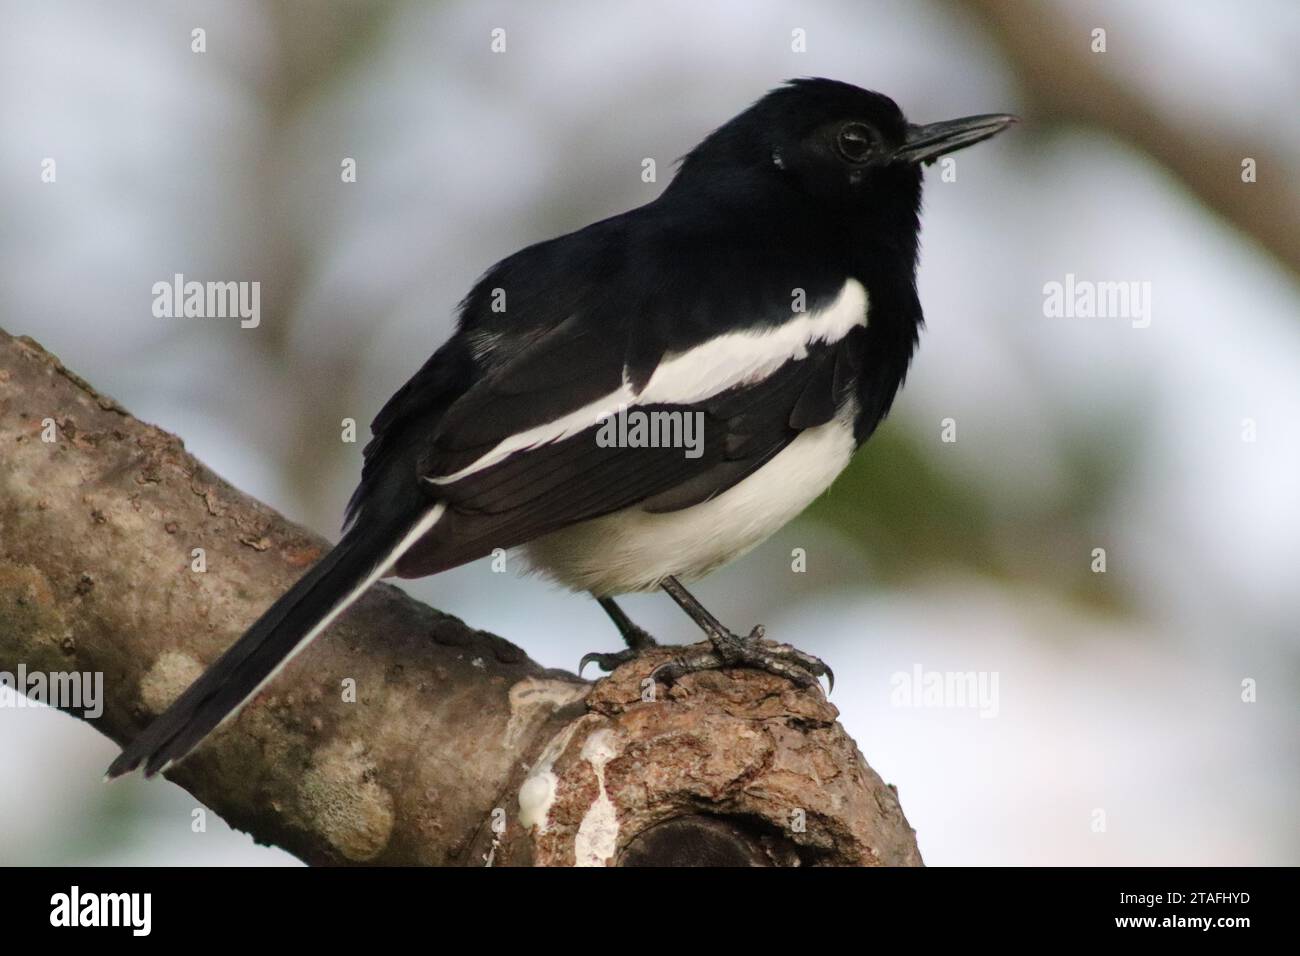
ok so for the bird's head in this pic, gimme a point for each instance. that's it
(845, 149)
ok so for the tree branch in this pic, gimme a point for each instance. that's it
(1066, 82)
(458, 749)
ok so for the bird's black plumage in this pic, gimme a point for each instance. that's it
(805, 205)
(722, 248)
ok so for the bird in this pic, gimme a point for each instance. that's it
(634, 404)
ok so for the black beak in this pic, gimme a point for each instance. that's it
(925, 144)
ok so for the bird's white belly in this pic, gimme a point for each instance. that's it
(633, 550)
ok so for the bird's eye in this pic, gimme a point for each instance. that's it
(856, 141)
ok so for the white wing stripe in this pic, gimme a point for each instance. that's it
(734, 358)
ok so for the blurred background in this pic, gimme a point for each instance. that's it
(1120, 734)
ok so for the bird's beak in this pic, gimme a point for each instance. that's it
(925, 144)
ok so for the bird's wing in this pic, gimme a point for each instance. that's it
(527, 450)
(501, 424)
(546, 282)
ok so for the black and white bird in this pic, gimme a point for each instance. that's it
(768, 296)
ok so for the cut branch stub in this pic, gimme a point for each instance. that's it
(723, 768)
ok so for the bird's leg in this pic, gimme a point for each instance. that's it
(731, 650)
(636, 638)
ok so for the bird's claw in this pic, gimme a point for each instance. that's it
(607, 662)
(730, 650)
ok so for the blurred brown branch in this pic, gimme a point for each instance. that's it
(1067, 83)
(455, 748)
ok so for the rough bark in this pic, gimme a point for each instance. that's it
(458, 748)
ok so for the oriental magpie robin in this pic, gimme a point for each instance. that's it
(767, 299)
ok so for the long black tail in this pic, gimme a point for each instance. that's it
(365, 554)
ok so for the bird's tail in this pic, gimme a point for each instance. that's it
(363, 556)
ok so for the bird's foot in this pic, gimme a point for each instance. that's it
(731, 650)
(638, 642)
